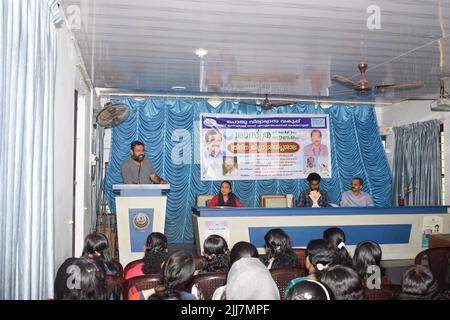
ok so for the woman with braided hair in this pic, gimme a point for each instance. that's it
(216, 257)
(176, 275)
(155, 254)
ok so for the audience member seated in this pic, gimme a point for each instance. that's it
(243, 249)
(155, 254)
(368, 253)
(225, 198)
(249, 279)
(86, 281)
(62, 275)
(240, 250)
(336, 238)
(418, 283)
(309, 290)
(176, 275)
(279, 252)
(356, 197)
(319, 256)
(343, 282)
(96, 247)
(314, 196)
(216, 255)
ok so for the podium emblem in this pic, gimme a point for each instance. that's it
(141, 221)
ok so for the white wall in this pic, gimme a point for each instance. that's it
(69, 79)
(410, 112)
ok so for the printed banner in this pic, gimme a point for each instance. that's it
(238, 147)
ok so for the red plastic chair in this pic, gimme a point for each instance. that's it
(283, 276)
(438, 261)
(141, 283)
(387, 292)
(207, 283)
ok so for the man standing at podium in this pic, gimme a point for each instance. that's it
(138, 169)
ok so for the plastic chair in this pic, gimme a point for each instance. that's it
(438, 261)
(207, 283)
(387, 292)
(282, 276)
(141, 283)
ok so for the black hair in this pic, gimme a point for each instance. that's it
(155, 253)
(313, 177)
(320, 253)
(211, 132)
(343, 282)
(367, 253)
(136, 143)
(177, 273)
(243, 249)
(89, 281)
(279, 249)
(336, 237)
(98, 243)
(216, 257)
(359, 179)
(231, 196)
(309, 290)
(418, 283)
(315, 130)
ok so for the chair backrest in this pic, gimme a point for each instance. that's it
(201, 200)
(131, 265)
(387, 292)
(149, 281)
(438, 261)
(114, 285)
(207, 283)
(301, 256)
(283, 276)
(273, 201)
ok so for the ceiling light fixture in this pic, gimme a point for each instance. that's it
(200, 52)
(178, 88)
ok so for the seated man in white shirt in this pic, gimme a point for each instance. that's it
(356, 197)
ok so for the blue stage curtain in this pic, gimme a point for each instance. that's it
(355, 141)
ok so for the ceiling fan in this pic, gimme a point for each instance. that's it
(363, 85)
(267, 105)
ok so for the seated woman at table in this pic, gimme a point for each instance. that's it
(225, 198)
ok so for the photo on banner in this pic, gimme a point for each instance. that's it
(241, 147)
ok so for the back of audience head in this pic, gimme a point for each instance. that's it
(418, 283)
(367, 253)
(278, 247)
(336, 238)
(249, 279)
(309, 290)
(96, 247)
(155, 253)
(176, 274)
(87, 281)
(216, 254)
(319, 255)
(343, 282)
(243, 249)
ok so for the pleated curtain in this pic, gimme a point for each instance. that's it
(169, 127)
(27, 84)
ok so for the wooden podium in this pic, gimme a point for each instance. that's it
(141, 210)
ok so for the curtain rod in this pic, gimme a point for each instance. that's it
(105, 92)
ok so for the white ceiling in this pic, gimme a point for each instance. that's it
(281, 47)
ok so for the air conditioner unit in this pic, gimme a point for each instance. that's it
(441, 104)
